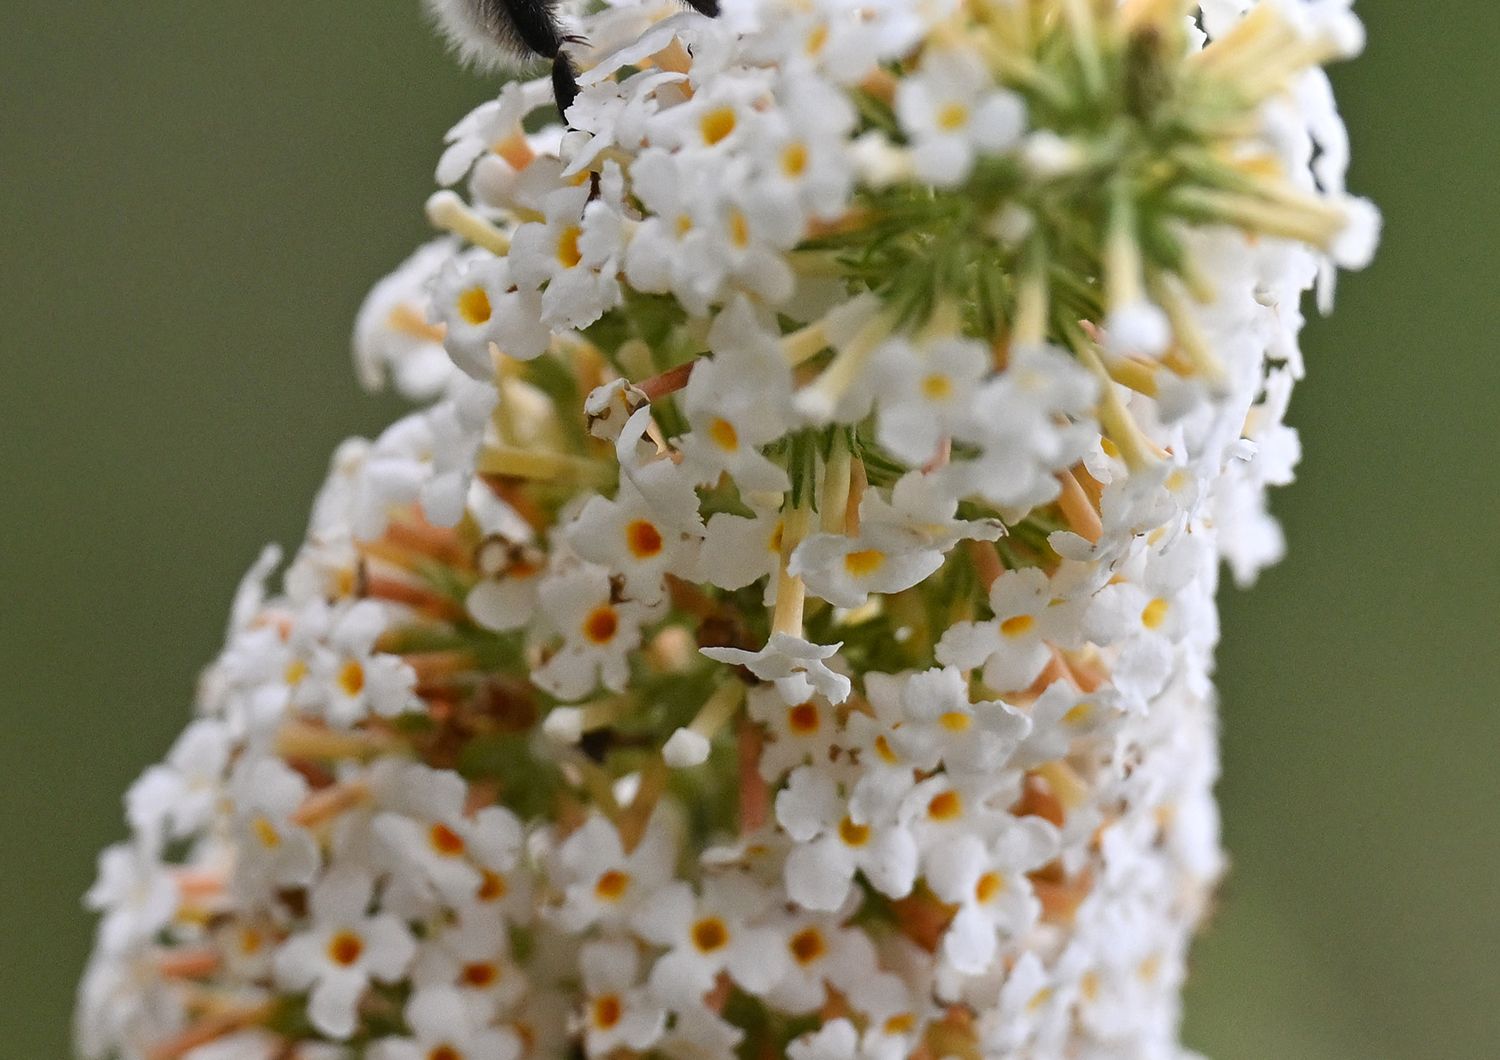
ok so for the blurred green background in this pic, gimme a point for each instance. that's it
(195, 198)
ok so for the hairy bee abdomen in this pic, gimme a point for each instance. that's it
(499, 33)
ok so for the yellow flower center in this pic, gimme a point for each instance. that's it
(952, 116)
(956, 721)
(352, 678)
(937, 387)
(474, 306)
(945, 806)
(568, 254)
(722, 433)
(717, 124)
(1079, 715)
(794, 159)
(1017, 626)
(739, 229)
(480, 974)
(266, 832)
(988, 887)
(492, 886)
(864, 563)
(854, 835)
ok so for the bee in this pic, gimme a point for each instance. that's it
(503, 33)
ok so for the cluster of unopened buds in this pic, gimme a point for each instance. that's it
(786, 629)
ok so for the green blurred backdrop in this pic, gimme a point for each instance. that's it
(196, 196)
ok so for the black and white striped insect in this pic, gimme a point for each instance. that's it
(505, 33)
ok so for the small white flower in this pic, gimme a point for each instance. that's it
(636, 540)
(944, 807)
(135, 895)
(709, 934)
(739, 551)
(341, 950)
(574, 255)
(1012, 647)
(605, 885)
(275, 851)
(348, 679)
(798, 732)
(952, 112)
(443, 1026)
(797, 667)
(489, 124)
(736, 402)
(988, 883)
(617, 1012)
(822, 954)
(472, 954)
(1063, 714)
(881, 558)
(178, 797)
(1031, 420)
(926, 394)
(599, 632)
(483, 310)
(392, 333)
(943, 726)
(505, 596)
(450, 849)
(831, 844)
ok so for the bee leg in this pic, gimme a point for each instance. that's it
(534, 22)
(564, 81)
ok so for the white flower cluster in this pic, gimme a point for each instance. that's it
(788, 628)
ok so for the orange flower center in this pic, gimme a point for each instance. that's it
(803, 719)
(945, 806)
(612, 885)
(710, 934)
(607, 1011)
(446, 841)
(480, 974)
(601, 625)
(807, 945)
(345, 948)
(643, 539)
